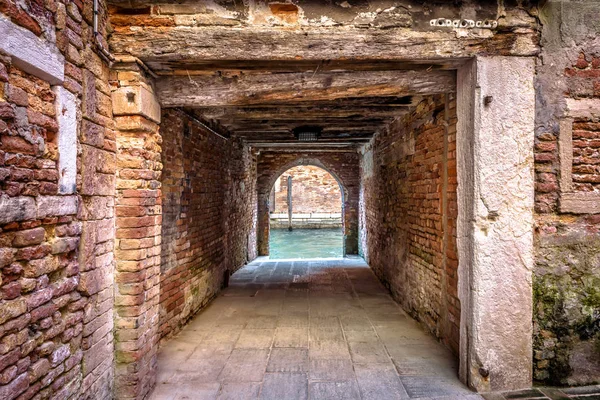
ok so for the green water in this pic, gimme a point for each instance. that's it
(305, 243)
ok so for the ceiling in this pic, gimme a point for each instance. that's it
(265, 103)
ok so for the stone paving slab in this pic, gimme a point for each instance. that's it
(591, 392)
(323, 329)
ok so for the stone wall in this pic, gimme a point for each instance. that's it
(566, 277)
(408, 214)
(314, 190)
(209, 216)
(57, 184)
(344, 165)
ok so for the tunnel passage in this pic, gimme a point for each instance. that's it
(393, 152)
(394, 160)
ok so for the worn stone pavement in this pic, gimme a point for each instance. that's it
(318, 329)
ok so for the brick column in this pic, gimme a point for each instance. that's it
(138, 221)
(263, 225)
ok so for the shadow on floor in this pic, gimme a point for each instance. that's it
(299, 329)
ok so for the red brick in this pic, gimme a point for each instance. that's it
(16, 144)
(6, 111)
(17, 96)
(29, 237)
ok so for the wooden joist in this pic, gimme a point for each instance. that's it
(215, 90)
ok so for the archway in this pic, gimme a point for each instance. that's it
(343, 169)
(305, 207)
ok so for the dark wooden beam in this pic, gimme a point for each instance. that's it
(283, 112)
(187, 43)
(207, 91)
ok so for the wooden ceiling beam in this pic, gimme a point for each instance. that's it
(303, 88)
(186, 44)
(284, 112)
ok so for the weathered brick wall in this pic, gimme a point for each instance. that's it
(314, 190)
(209, 214)
(344, 165)
(566, 278)
(586, 153)
(56, 260)
(408, 214)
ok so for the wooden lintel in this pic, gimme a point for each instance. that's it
(302, 88)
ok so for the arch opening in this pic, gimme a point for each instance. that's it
(305, 207)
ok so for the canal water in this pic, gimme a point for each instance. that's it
(305, 243)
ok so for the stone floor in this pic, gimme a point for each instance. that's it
(318, 329)
(546, 393)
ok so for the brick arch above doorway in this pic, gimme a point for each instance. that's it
(344, 167)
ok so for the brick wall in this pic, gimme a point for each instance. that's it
(209, 213)
(344, 165)
(314, 191)
(566, 278)
(56, 260)
(408, 214)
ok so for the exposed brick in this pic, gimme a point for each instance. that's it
(404, 176)
(29, 237)
(16, 387)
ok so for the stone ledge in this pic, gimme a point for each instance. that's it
(580, 203)
(30, 53)
(23, 208)
(136, 100)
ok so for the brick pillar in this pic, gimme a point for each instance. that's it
(138, 222)
(263, 224)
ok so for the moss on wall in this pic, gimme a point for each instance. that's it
(566, 290)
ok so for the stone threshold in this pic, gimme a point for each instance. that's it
(549, 393)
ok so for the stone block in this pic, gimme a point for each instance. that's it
(91, 282)
(136, 100)
(12, 309)
(66, 111)
(59, 355)
(37, 57)
(64, 245)
(39, 267)
(17, 209)
(15, 388)
(56, 206)
(38, 369)
(39, 297)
